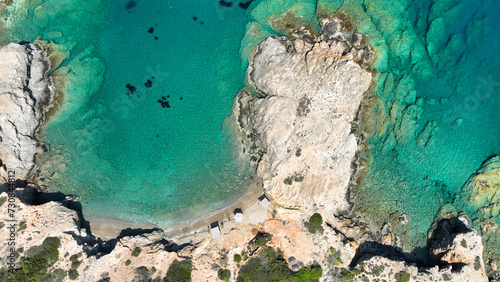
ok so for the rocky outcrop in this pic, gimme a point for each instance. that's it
(456, 245)
(480, 196)
(482, 189)
(455, 254)
(310, 95)
(24, 92)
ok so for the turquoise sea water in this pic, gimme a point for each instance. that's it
(432, 123)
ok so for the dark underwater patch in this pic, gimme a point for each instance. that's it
(131, 88)
(245, 5)
(131, 4)
(226, 4)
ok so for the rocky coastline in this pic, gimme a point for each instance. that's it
(297, 115)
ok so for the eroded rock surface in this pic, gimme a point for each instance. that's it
(310, 97)
(24, 91)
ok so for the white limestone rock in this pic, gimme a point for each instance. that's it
(24, 91)
(310, 96)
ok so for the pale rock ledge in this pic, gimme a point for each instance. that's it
(311, 94)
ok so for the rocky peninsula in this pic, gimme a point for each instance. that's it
(296, 118)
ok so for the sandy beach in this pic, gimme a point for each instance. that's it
(110, 228)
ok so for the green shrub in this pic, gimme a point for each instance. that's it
(335, 256)
(316, 219)
(57, 275)
(73, 274)
(179, 271)
(315, 223)
(377, 270)
(350, 274)
(310, 273)
(128, 262)
(288, 181)
(224, 274)
(298, 153)
(75, 263)
(237, 258)
(262, 238)
(477, 263)
(143, 273)
(269, 265)
(463, 243)
(299, 178)
(38, 260)
(136, 252)
(2, 200)
(446, 277)
(22, 225)
(402, 276)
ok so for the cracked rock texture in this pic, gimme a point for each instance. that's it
(311, 93)
(24, 91)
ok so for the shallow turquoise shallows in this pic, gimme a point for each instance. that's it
(153, 142)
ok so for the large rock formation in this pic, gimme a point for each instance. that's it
(24, 92)
(480, 197)
(482, 190)
(310, 95)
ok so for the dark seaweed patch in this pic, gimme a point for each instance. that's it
(131, 4)
(148, 83)
(156, 37)
(245, 5)
(131, 88)
(164, 104)
(150, 30)
(195, 18)
(226, 4)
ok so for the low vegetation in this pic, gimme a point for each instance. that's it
(269, 265)
(334, 256)
(136, 252)
(237, 258)
(144, 274)
(402, 276)
(261, 239)
(22, 225)
(34, 267)
(314, 225)
(347, 275)
(179, 271)
(73, 274)
(298, 153)
(224, 274)
(75, 263)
